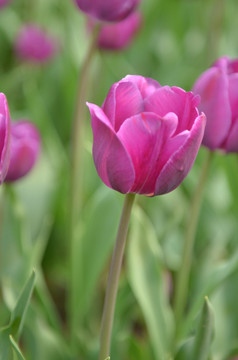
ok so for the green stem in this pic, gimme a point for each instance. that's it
(182, 280)
(76, 184)
(112, 285)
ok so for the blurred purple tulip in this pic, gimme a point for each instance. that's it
(34, 45)
(146, 137)
(25, 147)
(218, 88)
(107, 10)
(118, 35)
(5, 124)
(3, 3)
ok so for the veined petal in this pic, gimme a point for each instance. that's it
(212, 86)
(123, 101)
(181, 161)
(111, 159)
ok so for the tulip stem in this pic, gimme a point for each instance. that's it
(76, 184)
(112, 285)
(181, 289)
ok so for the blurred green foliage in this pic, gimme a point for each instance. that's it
(178, 40)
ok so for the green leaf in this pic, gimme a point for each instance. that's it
(16, 348)
(16, 321)
(5, 348)
(198, 346)
(210, 284)
(19, 312)
(146, 279)
(185, 350)
(101, 222)
(204, 335)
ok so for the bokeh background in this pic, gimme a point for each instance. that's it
(178, 40)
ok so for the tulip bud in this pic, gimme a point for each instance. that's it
(107, 10)
(25, 147)
(218, 89)
(3, 3)
(34, 45)
(118, 35)
(145, 136)
(4, 137)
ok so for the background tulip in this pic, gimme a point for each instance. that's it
(118, 35)
(4, 2)
(218, 88)
(146, 136)
(107, 10)
(25, 146)
(34, 45)
(4, 136)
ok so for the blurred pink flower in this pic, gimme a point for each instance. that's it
(107, 10)
(34, 45)
(3, 3)
(118, 35)
(25, 147)
(218, 88)
(4, 137)
(146, 137)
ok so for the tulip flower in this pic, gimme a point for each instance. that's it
(107, 10)
(218, 89)
(3, 3)
(4, 137)
(118, 35)
(25, 147)
(146, 136)
(34, 45)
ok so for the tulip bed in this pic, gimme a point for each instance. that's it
(68, 167)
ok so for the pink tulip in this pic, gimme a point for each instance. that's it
(25, 147)
(118, 35)
(146, 137)
(3, 3)
(4, 137)
(34, 45)
(218, 88)
(107, 10)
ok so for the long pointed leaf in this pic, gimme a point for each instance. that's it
(145, 276)
(16, 348)
(203, 338)
(19, 312)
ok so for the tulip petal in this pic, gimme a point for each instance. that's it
(176, 100)
(25, 148)
(189, 111)
(111, 159)
(181, 161)
(143, 137)
(233, 66)
(4, 137)
(107, 10)
(231, 144)
(116, 36)
(145, 85)
(123, 101)
(212, 86)
(233, 94)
